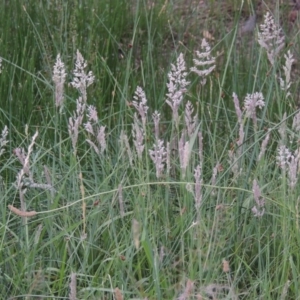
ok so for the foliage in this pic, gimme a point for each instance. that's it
(140, 160)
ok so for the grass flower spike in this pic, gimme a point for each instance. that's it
(136, 232)
(204, 64)
(81, 79)
(158, 156)
(138, 136)
(97, 131)
(259, 209)
(59, 78)
(156, 119)
(124, 142)
(289, 161)
(72, 286)
(118, 294)
(26, 165)
(20, 182)
(270, 37)
(3, 139)
(198, 187)
(76, 121)
(191, 122)
(184, 154)
(22, 213)
(233, 160)
(140, 103)
(293, 170)
(197, 190)
(251, 102)
(237, 108)
(240, 120)
(92, 114)
(176, 86)
(283, 157)
(286, 84)
(187, 291)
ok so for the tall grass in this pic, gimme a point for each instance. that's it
(215, 218)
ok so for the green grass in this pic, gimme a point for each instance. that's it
(160, 241)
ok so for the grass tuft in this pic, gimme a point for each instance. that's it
(144, 158)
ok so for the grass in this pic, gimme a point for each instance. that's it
(111, 221)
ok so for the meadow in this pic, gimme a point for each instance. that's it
(149, 150)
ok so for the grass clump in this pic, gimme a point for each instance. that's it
(147, 171)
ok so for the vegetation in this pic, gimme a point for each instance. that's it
(149, 150)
